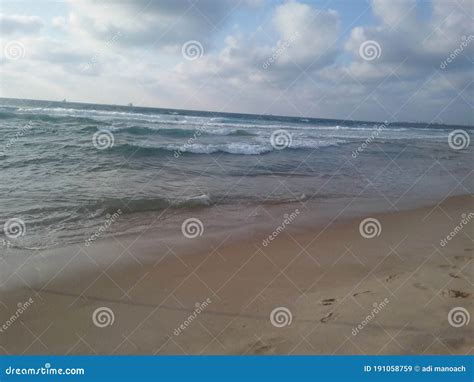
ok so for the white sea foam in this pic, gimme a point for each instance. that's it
(223, 126)
(231, 148)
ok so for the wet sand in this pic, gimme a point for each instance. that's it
(204, 296)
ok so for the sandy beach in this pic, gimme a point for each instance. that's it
(237, 190)
(331, 290)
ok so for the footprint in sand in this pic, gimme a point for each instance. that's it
(358, 293)
(453, 275)
(420, 286)
(392, 277)
(261, 347)
(327, 317)
(456, 293)
(328, 301)
(463, 258)
(447, 266)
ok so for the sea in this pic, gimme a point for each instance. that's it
(74, 171)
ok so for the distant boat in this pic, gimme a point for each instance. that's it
(130, 104)
(64, 100)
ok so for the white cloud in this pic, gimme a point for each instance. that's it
(19, 25)
(144, 22)
(396, 14)
(133, 53)
(451, 22)
(311, 33)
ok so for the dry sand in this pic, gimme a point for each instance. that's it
(328, 279)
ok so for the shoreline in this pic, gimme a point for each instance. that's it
(241, 220)
(328, 279)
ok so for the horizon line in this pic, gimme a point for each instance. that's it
(239, 113)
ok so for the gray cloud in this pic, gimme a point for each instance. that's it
(297, 62)
(144, 22)
(15, 24)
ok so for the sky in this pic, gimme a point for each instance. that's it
(377, 60)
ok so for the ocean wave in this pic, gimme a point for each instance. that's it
(170, 118)
(228, 148)
(7, 115)
(71, 217)
(134, 205)
(203, 122)
(177, 150)
(211, 125)
(51, 118)
(180, 132)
